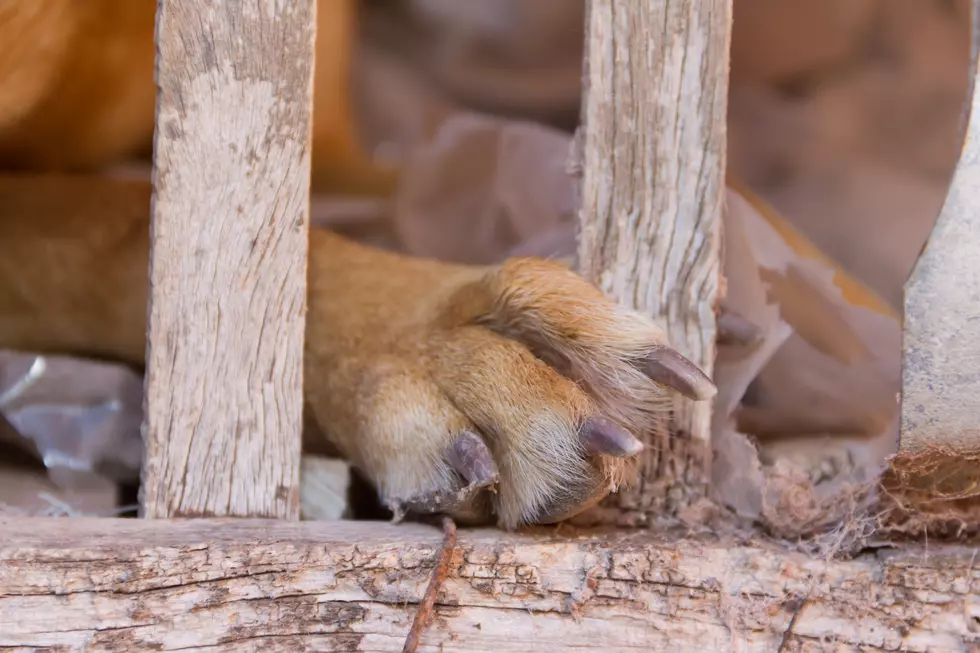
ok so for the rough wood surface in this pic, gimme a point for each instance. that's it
(940, 415)
(228, 258)
(242, 585)
(941, 372)
(653, 165)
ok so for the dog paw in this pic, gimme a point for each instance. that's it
(512, 394)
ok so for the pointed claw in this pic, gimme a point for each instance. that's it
(734, 329)
(471, 457)
(667, 367)
(600, 435)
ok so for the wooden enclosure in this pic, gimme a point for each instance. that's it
(231, 182)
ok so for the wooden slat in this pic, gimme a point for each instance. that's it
(243, 585)
(933, 480)
(941, 365)
(228, 258)
(653, 157)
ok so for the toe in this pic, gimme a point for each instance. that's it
(553, 452)
(620, 358)
(422, 454)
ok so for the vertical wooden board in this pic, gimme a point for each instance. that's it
(941, 349)
(930, 486)
(228, 258)
(653, 155)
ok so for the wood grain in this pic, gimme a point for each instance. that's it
(941, 362)
(937, 470)
(653, 164)
(228, 258)
(247, 585)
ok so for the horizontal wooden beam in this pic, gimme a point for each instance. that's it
(237, 585)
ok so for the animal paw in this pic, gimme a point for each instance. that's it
(513, 393)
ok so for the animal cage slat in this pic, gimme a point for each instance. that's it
(653, 154)
(941, 351)
(227, 303)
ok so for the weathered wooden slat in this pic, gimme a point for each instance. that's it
(653, 158)
(244, 585)
(931, 485)
(941, 364)
(228, 258)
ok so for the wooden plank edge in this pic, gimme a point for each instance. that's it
(650, 154)
(229, 243)
(940, 403)
(243, 585)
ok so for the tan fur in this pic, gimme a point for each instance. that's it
(402, 354)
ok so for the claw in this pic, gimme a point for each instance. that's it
(667, 367)
(470, 457)
(734, 329)
(600, 435)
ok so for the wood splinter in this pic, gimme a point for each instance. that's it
(423, 616)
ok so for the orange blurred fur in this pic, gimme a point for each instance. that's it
(77, 90)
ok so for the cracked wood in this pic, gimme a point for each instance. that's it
(249, 585)
(653, 166)
(228, 258)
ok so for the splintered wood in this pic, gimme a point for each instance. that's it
(244, 585)
(653, 158)
(228, 258)
(938, 466)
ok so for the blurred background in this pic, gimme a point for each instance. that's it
(846, 115)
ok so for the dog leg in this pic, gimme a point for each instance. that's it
(508, 392)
